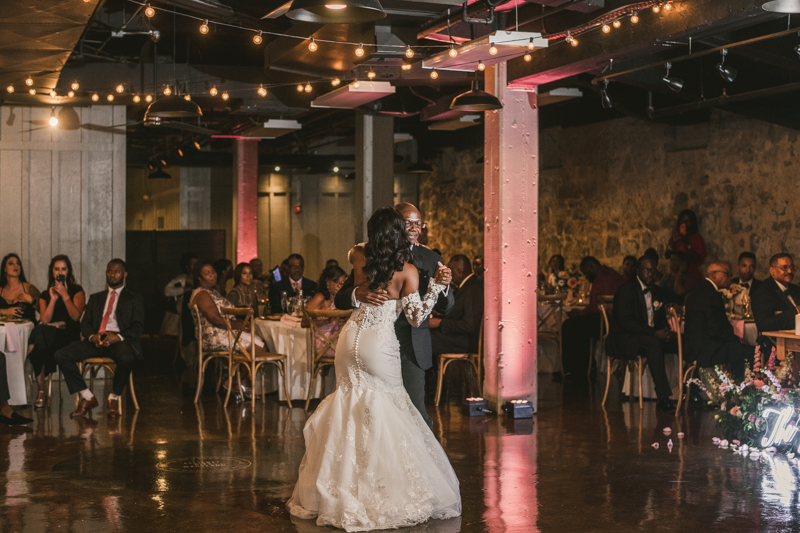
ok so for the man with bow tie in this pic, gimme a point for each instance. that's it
(776, 301)
(639, 327)
(747, 267)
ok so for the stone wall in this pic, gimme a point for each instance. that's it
(615, 188)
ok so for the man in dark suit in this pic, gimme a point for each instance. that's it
(459, 330)
(775, 302)
(747, 267)
(415, 343)
(111, 326)
(639, 327)
(292, 283)
(708, 334)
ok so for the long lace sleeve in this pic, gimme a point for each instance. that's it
(417, 309)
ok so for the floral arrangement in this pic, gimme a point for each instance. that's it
(750, 412)
(562, 281)
(730, 294)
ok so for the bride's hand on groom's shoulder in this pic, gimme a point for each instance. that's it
(365, 295)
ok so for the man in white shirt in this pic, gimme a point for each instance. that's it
(111, 326)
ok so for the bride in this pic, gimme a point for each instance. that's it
(371, 462)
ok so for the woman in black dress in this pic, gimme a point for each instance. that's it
(17, 296)
(60, 310)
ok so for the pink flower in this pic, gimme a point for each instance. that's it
(752, 418)
(757, 383)
(735, 411)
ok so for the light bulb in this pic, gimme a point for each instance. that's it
(606, 28)
(277, 169)
(335, 7)
(10, 88)
(120, 89)
(225, 96)
(527, 57)
(187, 97)
(75, 86)
(53, 93)
(667, 6)
(262, 92)
(95, 97)
(32, 92)
(531, 46)
(197, 145)
(656, 8)
(635, 17)
(355, 84)
(136, 99)
(312, 46)
(617, 23)
(360, 50)
(574, 42)
(163, 162)
(406, 66)
(53, 119)
(149, 12)
(308, 88)
(110, 97)
(257, 39)
(434, 74)
(167, 91)
(335, 82)
(493, 50)
(71, 94)
(371, 74)
(452, 52)
(481, 66)
(180, 152)
(213, 91)
(28, 81)
(148, 98)
(299, 87)
(336, 169)
(204, 27)
(409, 52)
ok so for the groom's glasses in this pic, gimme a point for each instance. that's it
(414, 224)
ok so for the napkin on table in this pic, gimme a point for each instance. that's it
(12, 338)
(291, 321)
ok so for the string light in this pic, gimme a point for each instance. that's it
(574, 42)
(434, 74)
(53, 93)
(409, 52)
(635, 17)
(28, 81)
(493, 50)
(167, 91)
(371, 74)
(617, 23)
(187, 97)
(53, 118)
(10, 88)
(149, 12)
(213, 91)
(336, 169)
(120, 89)
(606, 28)
(197, 145)
(308, 88)
(531, 46)
(360, 50)
(204, 27)
(312, 46)
(257, 39)
(667, 7)
(110, 97)
(527, 57)
(148, 98)
(95, 97)
(225, 96)
(656, 8)
(74, 86)
(300, 87)
(136, 99)
(355, 84)
(71, 94)
(262, 92)
(452, 52)
(180, 152)
(335, 82)
(32, 92)
(277, 169)
(406, 66)
(481, 66)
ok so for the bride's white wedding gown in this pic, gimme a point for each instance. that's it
(371, 462)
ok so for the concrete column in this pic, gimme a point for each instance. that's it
(245, 199)
(374, 169)
(511, 197)
(195, 197)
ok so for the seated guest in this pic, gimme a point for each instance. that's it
(629, 266)
(746, 268)
(243, 294)
(677, 283)
(292, 283)
(331, 263)
(459, 330)
(685, 238)
(111, 326)
(224, 269)
(583, 326)
(60, 310)
(330, 282)
(477, 267)
(555, 265)
(651, 253)
(260, 281)
(8, 416)
(775, 302)
(639, 327)
(17, 297)
(708, 334)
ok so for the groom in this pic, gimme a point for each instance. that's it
(415, 343)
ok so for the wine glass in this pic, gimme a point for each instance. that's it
(284, 301)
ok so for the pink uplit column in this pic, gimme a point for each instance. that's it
(511, 197)
(245, 199)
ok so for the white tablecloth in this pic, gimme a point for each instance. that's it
(298, 346)
(548, 359)
(15, 363)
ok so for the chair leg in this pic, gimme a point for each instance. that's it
(133, 392)
(314, 373)
(201, 369)
(439, 380)
(231, 369)
(639, 367)
(263, 388)
(253, 372)
(610, 365)
(286, 390)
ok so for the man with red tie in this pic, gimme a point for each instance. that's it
(111, 326)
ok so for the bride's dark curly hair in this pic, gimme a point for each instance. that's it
(388, 248)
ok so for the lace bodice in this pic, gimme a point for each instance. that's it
(416, 309)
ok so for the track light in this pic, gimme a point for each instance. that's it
(728, 73)
(604, 98)
(257, 38)
(676, 84)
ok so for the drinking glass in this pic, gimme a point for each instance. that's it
(284, 301)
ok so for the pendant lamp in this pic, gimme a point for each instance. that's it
(476, 100)
(782, 6)
(173, 106)
(336, 11)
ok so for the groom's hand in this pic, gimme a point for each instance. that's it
(367, 296)
(443, 275)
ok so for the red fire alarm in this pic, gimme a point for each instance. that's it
(298, 209)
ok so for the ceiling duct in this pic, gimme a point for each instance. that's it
(508, 44)
(271, 129)
(354, 94)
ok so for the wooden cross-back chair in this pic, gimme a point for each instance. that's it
(317, 358)
(635, 365)
(92, 365)
(204, 356)
(675, 320)
(475, 359)
(239, 354)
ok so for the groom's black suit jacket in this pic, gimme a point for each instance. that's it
(415, 343)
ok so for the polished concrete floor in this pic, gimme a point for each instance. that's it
(174, 466)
